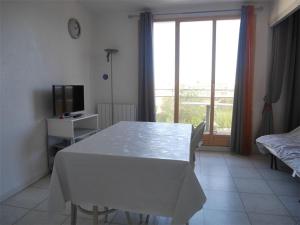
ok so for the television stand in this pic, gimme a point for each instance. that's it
(67, 131)
(77, 115)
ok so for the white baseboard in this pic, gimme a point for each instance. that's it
(23, 186)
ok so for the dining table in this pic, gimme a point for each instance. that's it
(141, 167)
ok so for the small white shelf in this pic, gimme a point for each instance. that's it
(70, 130)
(80, 133)
(73, 128)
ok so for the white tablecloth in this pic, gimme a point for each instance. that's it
(134, 166)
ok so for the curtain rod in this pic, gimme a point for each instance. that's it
(195, 12)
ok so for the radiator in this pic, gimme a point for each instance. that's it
(122, 112)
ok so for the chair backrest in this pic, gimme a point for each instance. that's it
(197, 135)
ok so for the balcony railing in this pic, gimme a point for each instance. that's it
(195, 106)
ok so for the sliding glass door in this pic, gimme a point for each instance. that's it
(227, 35)
(164, 70)
(194, 67)
(195, 71)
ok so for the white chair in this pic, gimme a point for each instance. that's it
(196, 140)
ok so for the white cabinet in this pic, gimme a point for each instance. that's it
(73, 128)
(63, 132)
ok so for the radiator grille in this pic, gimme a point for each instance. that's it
(122, 112)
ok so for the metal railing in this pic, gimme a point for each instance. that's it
(207, 105)
(207, 92)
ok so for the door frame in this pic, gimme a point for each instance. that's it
(209, 138)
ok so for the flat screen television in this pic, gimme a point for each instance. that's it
(67, 99)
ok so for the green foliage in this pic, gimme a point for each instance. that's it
(223, 117)
(196, 113)
(167, 110)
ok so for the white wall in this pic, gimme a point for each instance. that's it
(261, 66)
(281, 9)
(116, 30)
(37, 53)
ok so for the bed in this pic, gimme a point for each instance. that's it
(286, 147)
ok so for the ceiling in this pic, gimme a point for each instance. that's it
(134, 5)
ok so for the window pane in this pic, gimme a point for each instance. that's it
(226, 57)
(164, 69)
(195, 71)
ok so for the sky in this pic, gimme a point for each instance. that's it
(195, 66)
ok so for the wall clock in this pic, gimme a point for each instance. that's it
(74, 28)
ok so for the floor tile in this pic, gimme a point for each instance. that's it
(212, 162)
(41, 218)
(9, 214)
(79, 221)
(210, 154)
(221, 200)
(218, 217)
(263, 203)
(217, 183)
(277, 175)
(264, 219)
(43, 206)
(285, 188)
(244, 172)
(259, 156)
(238, 161)
(165, 220)
(213, 170)
(258, 186)
(292, 204)
(234, 186)
(42, 183)
(212, 158)
(120, 218)
(197, 219)
(88, 220)
(261, 164)
(28, 198)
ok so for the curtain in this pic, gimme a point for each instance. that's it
(146, 99)
(277, 71)
(293, 73)
(285, 65)
(241, 128)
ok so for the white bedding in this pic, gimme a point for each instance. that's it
(285, 146)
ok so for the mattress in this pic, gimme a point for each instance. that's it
(284, 146)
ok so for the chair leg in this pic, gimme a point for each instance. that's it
(147, 219)
(275, 163)
(73, 214)
(272, 160)
(106, 215)
(141, 218)
(128, 218)
(95, 215)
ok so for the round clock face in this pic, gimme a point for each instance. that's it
(74, 28)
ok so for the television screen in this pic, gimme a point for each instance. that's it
(67, 99)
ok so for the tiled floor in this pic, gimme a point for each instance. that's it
(240, 191)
